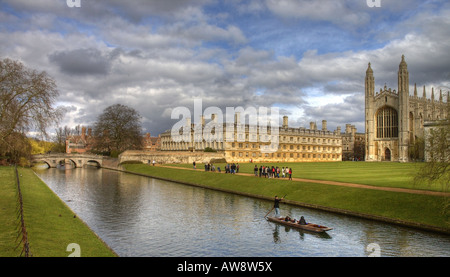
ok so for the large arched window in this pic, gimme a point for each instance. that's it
(387, 123)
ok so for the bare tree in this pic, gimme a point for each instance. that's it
(61, 135)
(117, 129)
(436, 169)
(26, 101)
(437, 155)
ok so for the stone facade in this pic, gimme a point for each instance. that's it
(352, 144)
(80, 143)
(293, 144)
(394, 119)
(150, 143)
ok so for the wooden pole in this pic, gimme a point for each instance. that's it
(269, 212)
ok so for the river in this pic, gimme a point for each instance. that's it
(145, 217)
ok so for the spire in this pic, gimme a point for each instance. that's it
(415, 90)
(424, 93)
(432, 93)
(369, 82)
(403, 63)
(403, 78)
(440, 95)
(369, 70)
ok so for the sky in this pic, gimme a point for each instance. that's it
(307, 58)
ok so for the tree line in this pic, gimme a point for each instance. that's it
(116, 129)
(27, 105)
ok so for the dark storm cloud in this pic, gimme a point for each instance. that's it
(82, 62)
(350, 111)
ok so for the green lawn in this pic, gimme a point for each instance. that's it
(8, 212)
(383, 174)
(422, 209)
(51, 225)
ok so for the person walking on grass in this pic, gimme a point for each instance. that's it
(290, 173)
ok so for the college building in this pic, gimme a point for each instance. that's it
(246, 143)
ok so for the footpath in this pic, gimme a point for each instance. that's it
(335, 183)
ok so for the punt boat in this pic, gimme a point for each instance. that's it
(309, 226)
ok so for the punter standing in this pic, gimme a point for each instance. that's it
(276, 205)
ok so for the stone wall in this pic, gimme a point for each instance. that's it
(169, 157)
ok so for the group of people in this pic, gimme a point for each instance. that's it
(272, 172)
(209, 167)
(262, 171)
(301, 221)
(232, 168)
(229, 168)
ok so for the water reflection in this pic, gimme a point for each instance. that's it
(140, 216)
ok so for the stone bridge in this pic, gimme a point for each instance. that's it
(77, 160)
(170, 157)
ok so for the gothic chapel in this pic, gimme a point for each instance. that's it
(394, 119)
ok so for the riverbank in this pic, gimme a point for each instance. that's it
(51, 224)
(420, 211)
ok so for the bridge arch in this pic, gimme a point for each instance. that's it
(98, 164)
(74, 163)
(42, 161)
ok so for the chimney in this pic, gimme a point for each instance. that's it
(324, 125)
(348, 128)
(83, 133)
(338, 130)
(237, 118)
(312, 125)
(285, 121)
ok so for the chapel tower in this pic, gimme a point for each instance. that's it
(369, 106)
(403, 110)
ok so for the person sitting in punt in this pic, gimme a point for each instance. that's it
(302, 221)
(288, 219)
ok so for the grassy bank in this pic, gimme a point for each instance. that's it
(415, 208)
(397, 175)
(51, 225)
(8, 214)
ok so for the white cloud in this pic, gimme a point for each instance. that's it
(163, 54)
(336, 12)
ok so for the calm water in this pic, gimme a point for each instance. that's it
(139, 216)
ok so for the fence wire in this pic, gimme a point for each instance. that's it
(21, 229)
